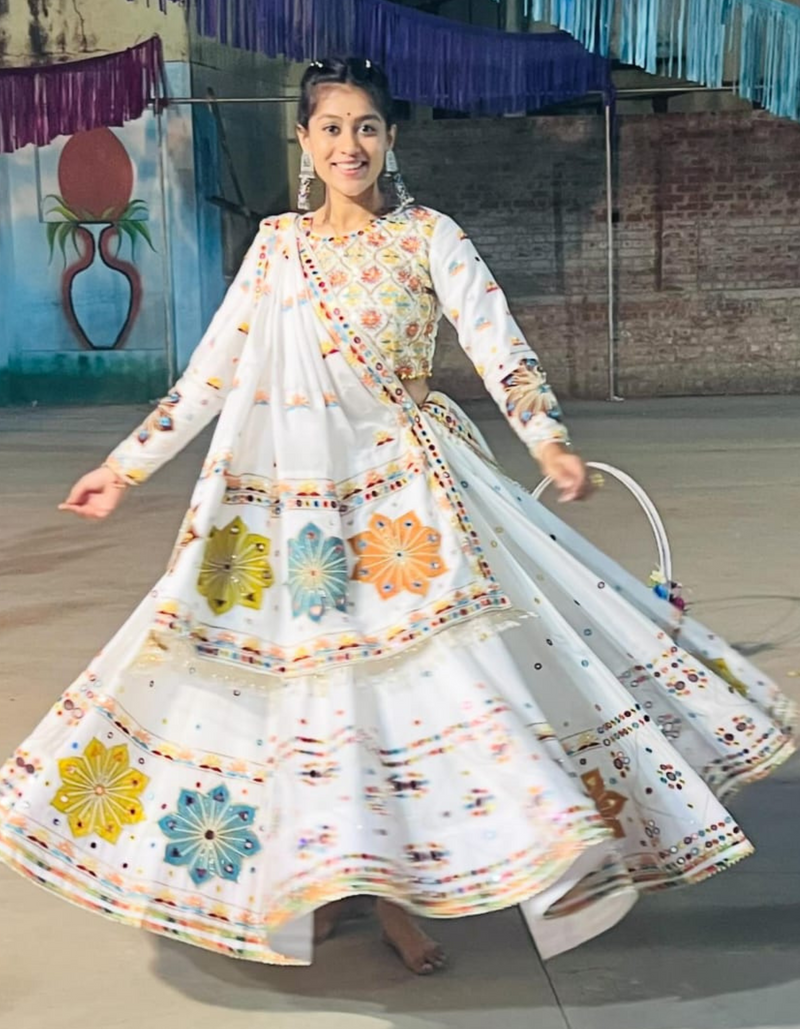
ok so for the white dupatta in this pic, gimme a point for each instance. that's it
(357, 540)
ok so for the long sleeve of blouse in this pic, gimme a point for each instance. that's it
(477, 308)
(197, 397)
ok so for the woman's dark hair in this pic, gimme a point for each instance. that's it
(348, 71)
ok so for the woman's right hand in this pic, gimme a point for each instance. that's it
(95, 495)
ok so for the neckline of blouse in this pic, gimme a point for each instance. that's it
(305, 225)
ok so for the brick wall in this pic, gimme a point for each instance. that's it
(707, 244)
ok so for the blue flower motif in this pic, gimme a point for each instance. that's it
(317, 573)
(209, 835)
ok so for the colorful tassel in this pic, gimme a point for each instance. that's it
(38, 104)
(429, 60)
(449, 64)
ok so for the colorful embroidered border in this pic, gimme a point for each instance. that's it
(437, 407)
(209, 925)
(727, 775)
(237, 932)
(237, 648)
(32, 852)
(374, 484)
(258, 772)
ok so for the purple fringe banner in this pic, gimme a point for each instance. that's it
(429, 60)
(37, 104)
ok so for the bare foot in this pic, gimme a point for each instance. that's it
(418, 952)
(327, 918)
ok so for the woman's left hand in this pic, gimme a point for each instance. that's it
(567, 470)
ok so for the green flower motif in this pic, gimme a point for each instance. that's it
(235, 568)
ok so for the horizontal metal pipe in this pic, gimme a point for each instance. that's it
(171, 100)
(640, 91)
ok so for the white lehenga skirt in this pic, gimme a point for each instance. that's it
(564, 760)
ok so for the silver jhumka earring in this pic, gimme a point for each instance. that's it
(402, 195)
(307, 176)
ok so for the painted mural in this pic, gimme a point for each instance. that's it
(94, 218)
(102, 300)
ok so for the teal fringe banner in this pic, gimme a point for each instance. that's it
(692, 38)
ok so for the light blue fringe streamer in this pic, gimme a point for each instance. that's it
(692, 39)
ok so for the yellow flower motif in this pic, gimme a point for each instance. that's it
(720, 666)
(99, 791)
(235, 568)
(398, 555)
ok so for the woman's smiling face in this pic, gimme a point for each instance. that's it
(347, 139)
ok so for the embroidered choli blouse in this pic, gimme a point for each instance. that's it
(394, 280)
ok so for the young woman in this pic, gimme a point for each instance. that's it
(375, 666)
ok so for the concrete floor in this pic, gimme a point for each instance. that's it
(725, 955)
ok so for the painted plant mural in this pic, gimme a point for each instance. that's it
(97, 218)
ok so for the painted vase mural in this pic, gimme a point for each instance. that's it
(101, 292)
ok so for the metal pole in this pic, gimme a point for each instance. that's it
(513, 19)
(209, 101)
(622, 92)
(612, 330)
(169, 312)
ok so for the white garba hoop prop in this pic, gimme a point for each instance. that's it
(646, 504)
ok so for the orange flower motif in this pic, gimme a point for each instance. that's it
(609, 803)
(398, 555)
(410, 244)
(371, 275)
(337, 279)
(371, 319)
